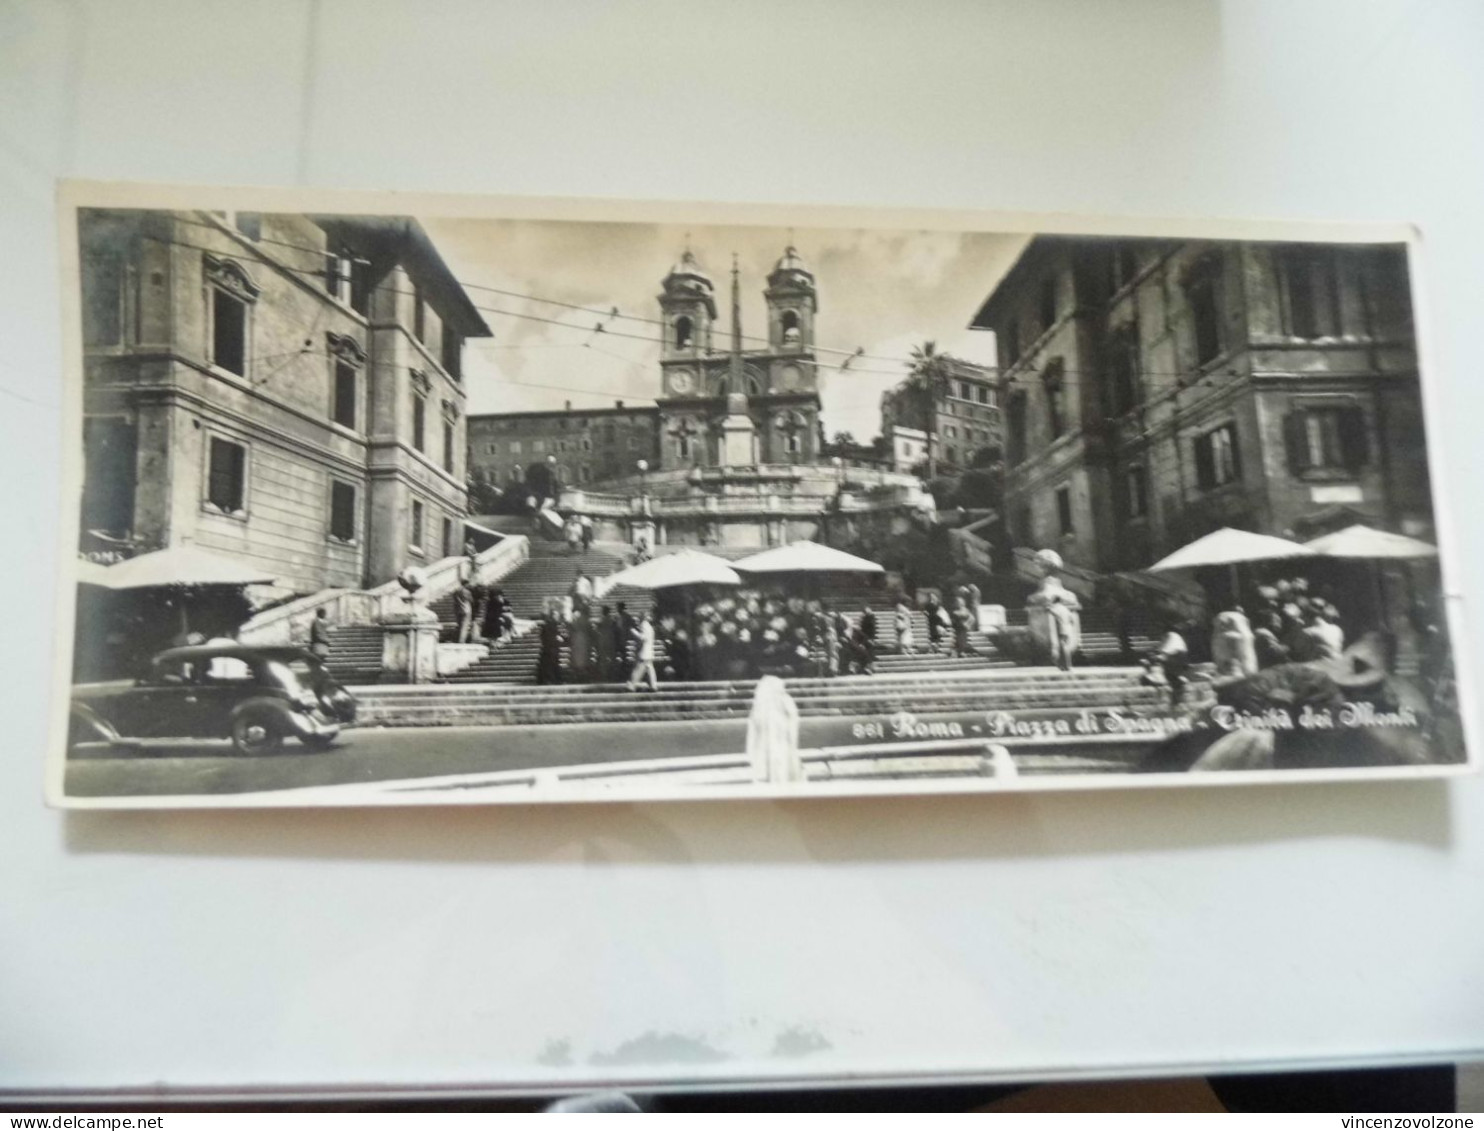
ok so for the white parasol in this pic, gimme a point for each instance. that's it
(684, 567)
(1368, 543)
(806, 557)
(182, 566)
(1228, 547)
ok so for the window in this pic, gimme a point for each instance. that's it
(1327, 438)
(110, 451)
(795, 442)
(515, 446)
(789, 325)
(981, 394)
(228, 332)
(684, 333)
(1016, 428)
(1048, 304)
(1203, 293)
(682, 445)
(1310, 292)
(538, 446)
(338, 275)
(1123, 265)
(448, 446)
(951, 432)
(451, 352)
(1056, 405)
(102, 299)
(419, 314)
(419, 421)
(449, 546)
(342, 511)
(345, 395)
(1124, 387)
(633, 443)
(1217, 461)
(415, 535)
(584, 473)
(226, 479)
(1064, 511)
(1136, 482)
(952, 453)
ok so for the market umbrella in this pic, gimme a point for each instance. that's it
(1366, 543)
(1231, 548)
(806, 557)
(1370, 544)
(684, 567)
(1227, 547)
(177, 567)
(182, 566)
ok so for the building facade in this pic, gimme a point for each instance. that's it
(580, 446)
(282, 389)
(1154, 391)
(965, 418)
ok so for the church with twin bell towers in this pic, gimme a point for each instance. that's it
(734, 406)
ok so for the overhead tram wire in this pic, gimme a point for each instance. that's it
(1180, 381)
(609, 313)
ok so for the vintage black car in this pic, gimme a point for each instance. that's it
(255, 696)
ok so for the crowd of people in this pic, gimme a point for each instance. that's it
(1291, 622)
(481, 612)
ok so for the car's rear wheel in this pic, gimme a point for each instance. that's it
(256, 734)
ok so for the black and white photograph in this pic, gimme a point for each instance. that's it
(442, 506)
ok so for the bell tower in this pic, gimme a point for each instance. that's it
(792, 304)
(688, 312)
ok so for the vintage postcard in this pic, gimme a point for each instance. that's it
(402, 500)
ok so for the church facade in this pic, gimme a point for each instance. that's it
(780, 381)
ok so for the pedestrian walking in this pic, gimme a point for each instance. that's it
(603, 634)
(623, 634)
(549, 659)
(867, 643)
(902, 621)
(644, 655)
(480, 612)
(580, 644)
(587, 532)
(844, 646)
(961, 619)
(573, 532)
(934, 613)
(1173, 657)
(319, 634)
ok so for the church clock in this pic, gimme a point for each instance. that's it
(682, 382)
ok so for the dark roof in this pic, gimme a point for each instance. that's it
(385, 240)
(233, 652)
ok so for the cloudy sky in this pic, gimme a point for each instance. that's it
(881, 291)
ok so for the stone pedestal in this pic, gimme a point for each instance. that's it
(738, 434)
(409, 646)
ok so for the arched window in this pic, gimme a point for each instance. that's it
(788, 324)
(684, 333)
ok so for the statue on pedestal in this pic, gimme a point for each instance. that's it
(1054, 615)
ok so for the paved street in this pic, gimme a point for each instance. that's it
(385, 754)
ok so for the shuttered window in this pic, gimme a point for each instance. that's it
(1217, 460)
(342, 512)
(226, 481)
(1327, 438)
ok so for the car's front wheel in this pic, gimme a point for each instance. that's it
(256, 734)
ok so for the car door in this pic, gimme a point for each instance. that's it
(165, 705)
